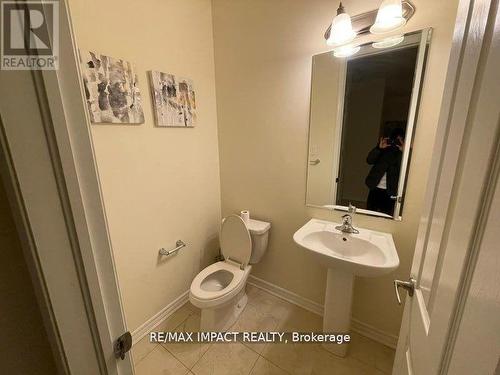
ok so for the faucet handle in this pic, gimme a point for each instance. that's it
(352, 209)
(346, 219)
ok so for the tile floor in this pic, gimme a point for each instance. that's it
(264, 312)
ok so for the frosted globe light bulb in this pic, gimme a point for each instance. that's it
(389, 17)
(341, 31)
(346, 50)
(388, 42)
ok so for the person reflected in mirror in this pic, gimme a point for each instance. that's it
(383, 178)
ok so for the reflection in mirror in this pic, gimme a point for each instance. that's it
(362, 120)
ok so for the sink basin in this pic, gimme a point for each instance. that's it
(366, 254)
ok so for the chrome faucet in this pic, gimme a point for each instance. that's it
(346, 226)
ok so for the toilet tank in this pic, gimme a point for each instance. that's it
(259, 231)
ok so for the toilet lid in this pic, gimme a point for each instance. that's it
(235, 240)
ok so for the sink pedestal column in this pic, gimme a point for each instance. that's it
(337, 313)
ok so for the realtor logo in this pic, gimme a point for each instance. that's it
(30, 35)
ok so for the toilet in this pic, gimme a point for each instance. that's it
(219, 289)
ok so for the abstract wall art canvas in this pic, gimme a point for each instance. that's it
(174, 100)
(111, 89)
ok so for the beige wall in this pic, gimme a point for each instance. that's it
(159, 184)
(24, 346)
(263, 55)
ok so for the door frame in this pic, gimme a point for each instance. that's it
(53, 149)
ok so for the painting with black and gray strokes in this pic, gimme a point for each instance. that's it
(111, 89)
(174, 100)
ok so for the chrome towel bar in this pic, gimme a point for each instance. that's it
(179, 245)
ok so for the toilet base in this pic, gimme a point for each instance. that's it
(221, 318)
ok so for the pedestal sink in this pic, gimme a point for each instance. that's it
(367, 254)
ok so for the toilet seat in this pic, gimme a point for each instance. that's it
(235, 240)
(202, 298)
(236, 247)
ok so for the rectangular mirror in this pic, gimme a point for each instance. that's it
(362, 122)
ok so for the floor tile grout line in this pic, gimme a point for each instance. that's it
(177, 359)
(186, 318)
(203, 355)
(279, 321)
(180, 360)
(253, 366)
(206, 351)
(191, 312)
(177, 326)
(143, 358)
(270, 361)
(281, 368)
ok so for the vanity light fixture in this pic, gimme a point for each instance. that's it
(389, 17)
(341, 31)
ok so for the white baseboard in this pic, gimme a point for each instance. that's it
(357, 326)
(373, 333)
(286, 295)
(159, 317)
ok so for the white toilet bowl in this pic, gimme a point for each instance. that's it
(219, 289)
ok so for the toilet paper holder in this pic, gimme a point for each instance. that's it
(178, 245)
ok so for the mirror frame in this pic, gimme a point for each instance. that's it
(367, 49)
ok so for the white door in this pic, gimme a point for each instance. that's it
(463, 171)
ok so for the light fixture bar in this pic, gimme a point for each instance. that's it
(362, 22)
